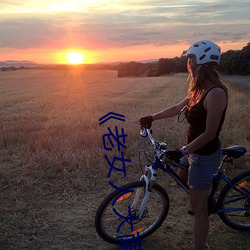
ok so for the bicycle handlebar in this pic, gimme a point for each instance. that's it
(146, 132)
(157, 145)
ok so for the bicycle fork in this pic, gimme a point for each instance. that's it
(148, 187)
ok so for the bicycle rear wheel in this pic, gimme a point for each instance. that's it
(118, 203)
(233, 205)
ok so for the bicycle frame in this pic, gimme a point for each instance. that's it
(145, 204)
(150, 176)
(165, 167)
(152, 171)
(150, 182)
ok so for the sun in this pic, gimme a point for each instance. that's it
(75, 57)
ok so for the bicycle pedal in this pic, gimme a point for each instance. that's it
(213, 211)
(246, 214)
(247, 204)
(190, 211)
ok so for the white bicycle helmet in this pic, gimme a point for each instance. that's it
(205, 52)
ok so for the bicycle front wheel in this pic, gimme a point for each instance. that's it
(116, 218)
(234, 205)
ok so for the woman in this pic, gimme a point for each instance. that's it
(206, 105)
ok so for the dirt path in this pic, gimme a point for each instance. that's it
(238, 79)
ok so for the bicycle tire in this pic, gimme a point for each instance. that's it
(232, 199)
(154, 214)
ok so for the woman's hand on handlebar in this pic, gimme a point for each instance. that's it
(146, 122)
(175, 155)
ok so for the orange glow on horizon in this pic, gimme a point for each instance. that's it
(48, 55)
(141, 53)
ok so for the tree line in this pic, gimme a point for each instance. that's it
(236, 62)
(233, 62)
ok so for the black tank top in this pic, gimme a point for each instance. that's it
(196, 117)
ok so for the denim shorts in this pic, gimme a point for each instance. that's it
(201, 169)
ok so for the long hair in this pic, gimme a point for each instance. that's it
(201, 75)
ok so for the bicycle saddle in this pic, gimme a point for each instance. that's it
(234, 151)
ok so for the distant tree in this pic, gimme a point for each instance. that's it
(180, 64)
(236, 61)
(135, 69)
(232, 62)
(245, 59)
(166, 66)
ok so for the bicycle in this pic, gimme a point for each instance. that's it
(146, 203)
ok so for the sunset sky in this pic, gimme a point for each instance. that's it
(117, 30)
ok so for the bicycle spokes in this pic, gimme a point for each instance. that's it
(234, 202)
(119, 214)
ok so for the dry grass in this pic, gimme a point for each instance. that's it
(53, 174)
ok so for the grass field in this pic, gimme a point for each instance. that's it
(53, 174)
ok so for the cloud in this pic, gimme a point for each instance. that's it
(122, 24)
(210, 8)
(221, 36)
(25, 32)
(8, 3)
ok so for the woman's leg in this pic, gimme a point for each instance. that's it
(183, 174)
(201, 172)
(198, 199)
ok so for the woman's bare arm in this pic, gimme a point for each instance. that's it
(171, 111)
